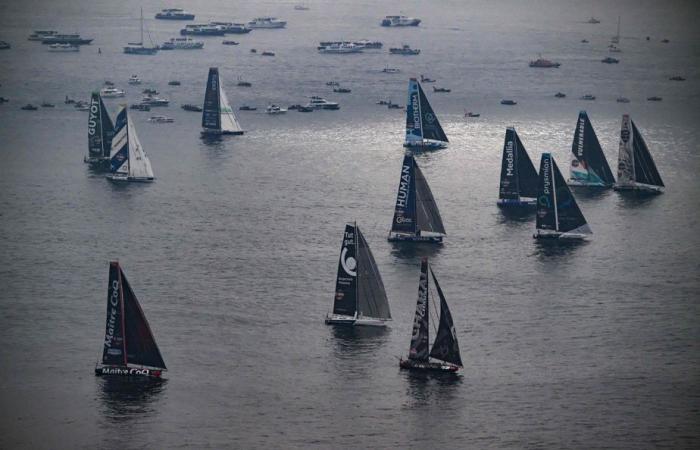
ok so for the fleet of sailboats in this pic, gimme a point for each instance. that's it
(128, 160)
(423, 130)
(129, 348)
(360, 298)
(519, 178)
(217, 115)
(636, 170)
(589, 167)
(416, 215)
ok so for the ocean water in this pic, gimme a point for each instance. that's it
(233, 251)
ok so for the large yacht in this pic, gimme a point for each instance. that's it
(316, 102)
(544, 63)
(73, 39)
(266, 22)
(231, 28)
(174, 14)
(203, 30)
(40, 35)
(404, 50)
(111, 92)
(182, 44)
(400, 21)
(339, 47)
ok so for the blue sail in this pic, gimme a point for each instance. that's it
(405, 220)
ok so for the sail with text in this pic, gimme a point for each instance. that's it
(360, 298)
(129, 346)
(423, 129)
(217, 114)
(558, 214)
(445, 347)
(416, 215)
(589, 167)
(519, 178)
(100, 132)
(128, 160)
(635, 167)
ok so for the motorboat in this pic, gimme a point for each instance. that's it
(111, 92)
(560, 95)
(29, 107)
(267, 53)
(654, 99)
(231, 27)
(47, 105)
(40, 35)
(81, 105)
(544, 63)
(266, 22)
(400, 21)
(174, 83)
(441, 89)
(341, 90)
(508, 102)
(317, 102)
(161, 119)
(229, 42)
(153, 100)
(301, 8)
(614, 49)
(150, 91)
(404, 50)
(622, 100)
(243, 83)
(174, 14)
(61, 48)
(471, 114)
(247, 108)
(73, 39)
(191, 107)
(424, 79)
(390, 70)
(134, 79)
(584, 41)
(391, 105)
(140, 107)
(587, 97)
(593, 20)
(366, 43)
(275, 109)
(339, 47)
(302, 108)
(185, 43)
(610, 60)
(4, 45)
(677, 78)
(332, 83)
(202, 30)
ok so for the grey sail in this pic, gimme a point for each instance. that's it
(428, 215)
(372, 299)
(445, 347)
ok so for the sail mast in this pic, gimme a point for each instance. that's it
(121, 306)
(420, 115)
(554, 194)
(357, 270)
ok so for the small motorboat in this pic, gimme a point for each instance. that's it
(153, 100)
(140, 107)
(268, 53)
(622, 100)
(69, 101)
(584, 41)
(149, 91)
(508, 102)
(665, 41)
(173, 83)
(134, 79)
(111, 92)
(587, 97)
(654, 98)
(274, 109)
(302, 108)
(81, 105)
(677, 78)
(3, 100)
(560, 95)
(332, 83)
(404, 50)
(610, 60)
(393, 106)
(342, 90)
(247, 108)
(47, 105)
(384, 102)
(242, 83)
(424, 79)
(161, 119)
(191, 107)
(471, 114)
(109, 83)
(390, 70)
(544, 63)
(252, 50)
(441, 89)
(229, 42)
(29, 107)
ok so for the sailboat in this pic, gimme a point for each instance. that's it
(128, 160)
(100, 133)
(423, 129)
(518, 175)
(416, 215)
(360, 298)
(636, 170)
(588, 164)
(129, 346)
(445, 349)
(137, 48)
(217, 116)
(558, 215)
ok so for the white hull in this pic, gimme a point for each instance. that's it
(639, 187)
(426, 145)
(339, 319)
(117, 178)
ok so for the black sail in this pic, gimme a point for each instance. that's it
(431, 125)
(546, 213)
(371, 296)
(405, 220)
(569, 215)
(100, 128)
(419, 338)
(445, 347)
(527, 175)
(588, 152)
(644, 168)
(345, 301)
(211, 113)
(509, 187)
(428, 215)
(141, 347)
(114, 352)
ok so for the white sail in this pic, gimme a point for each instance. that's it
(625, 161)
(229, 123)
(139, 164)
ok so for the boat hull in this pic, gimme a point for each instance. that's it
(221, 133)
(426, 145)
(338, 319)
(639, 188)
(427, 366)
(128, 371)
(556, 235)
(129, 179)
(516, 203)
(394, 237)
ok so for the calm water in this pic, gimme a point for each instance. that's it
(233, 250)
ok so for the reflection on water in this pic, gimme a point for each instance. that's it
(125, 398)
(635, 199)
(556, 248)
(430, 386)
(590, 192)
(351, 341)
(413, 250)
(516, 214)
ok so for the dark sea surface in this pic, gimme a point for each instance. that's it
(233, 251)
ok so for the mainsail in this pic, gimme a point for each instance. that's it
(588, 164)
(217, 114)
(345, 301)
(445, 347)
(518, 175)
(128, 160)
(415, 210)
(557, 210)
(100, 129)
(421, 122)
(128, 337)
(635, 164)
(419, 350)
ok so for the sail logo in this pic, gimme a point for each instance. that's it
(402, 219)
(545, 176)
(416, 111)
(126, 371)
(92, 122)
(112, 320)
(430, 118)
(510, 159)
(420, 305)
(579, 146)
(402, 197)
(349, 264)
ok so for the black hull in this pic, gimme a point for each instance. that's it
(427, 366)
(127, 371)
(415, 238)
